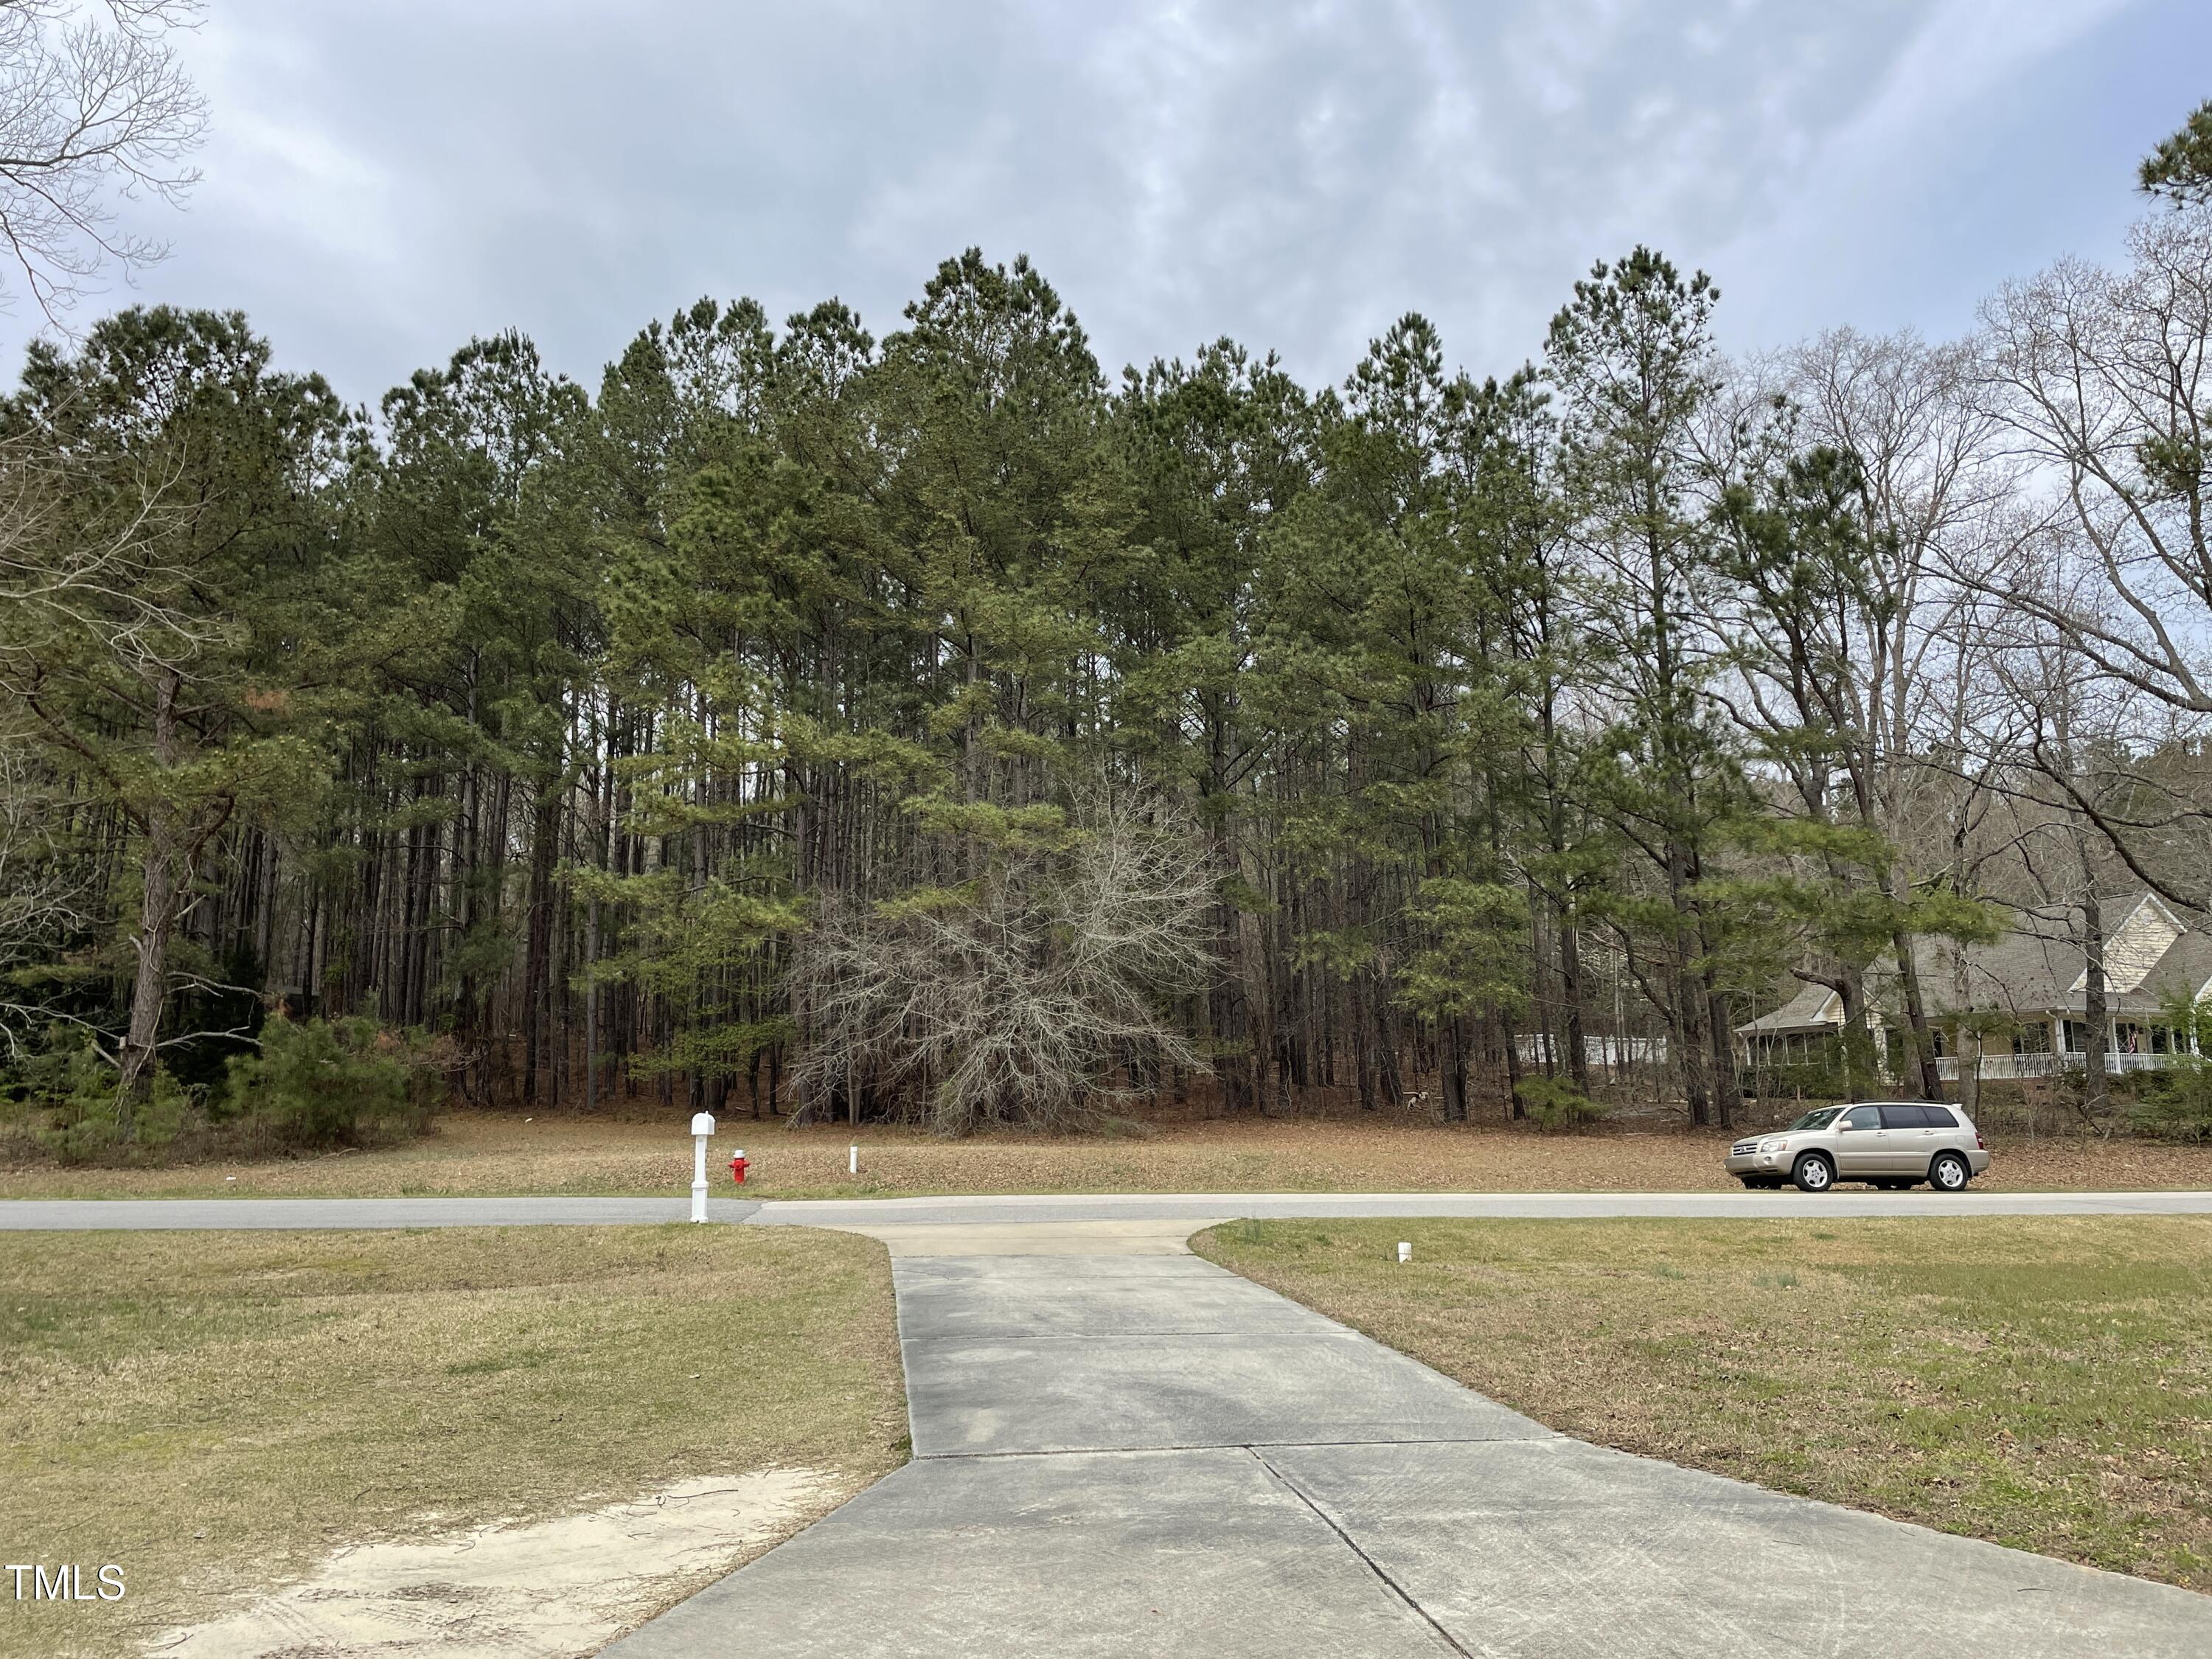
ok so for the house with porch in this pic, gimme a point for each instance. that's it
(2035, 977)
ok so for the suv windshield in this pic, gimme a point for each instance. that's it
(1817, 1119)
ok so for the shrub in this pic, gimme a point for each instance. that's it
(314, 1084)
(1554, 1103)
(2175, 1103)
(89, 1131)
(73, 1089)
(334, 1083)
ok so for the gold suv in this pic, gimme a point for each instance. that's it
(1893, 1144)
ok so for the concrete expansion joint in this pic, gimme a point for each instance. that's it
(1366, 1560)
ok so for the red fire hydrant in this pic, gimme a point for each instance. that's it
(738, 1167)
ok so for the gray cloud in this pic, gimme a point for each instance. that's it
(385, 180)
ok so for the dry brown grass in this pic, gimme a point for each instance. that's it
(485, 1153)
(2044, 1382)
(215, 1411)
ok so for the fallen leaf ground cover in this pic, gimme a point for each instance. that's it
(215, 1411)
(485, 1153)
(2043, 1383)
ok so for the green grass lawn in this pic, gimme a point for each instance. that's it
(215, 1411)
(2043, 1383)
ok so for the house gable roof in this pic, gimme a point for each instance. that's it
(2034, 968)
(1814, 1008)
(2133, 948)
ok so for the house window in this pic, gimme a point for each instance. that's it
(2161, 1040)
(2032, 1038)
(2077, 1034)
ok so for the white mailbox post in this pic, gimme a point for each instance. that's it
(702, 1126)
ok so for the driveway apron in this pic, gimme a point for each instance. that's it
(1141, 1453)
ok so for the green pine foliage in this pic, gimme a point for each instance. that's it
(1482, 743)
(315, 1085)
(2180, 168)
(2175, 1102)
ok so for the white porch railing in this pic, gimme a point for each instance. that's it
(2000, 1068)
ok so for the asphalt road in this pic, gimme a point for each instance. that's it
(133, 1213)
(1115, 1207)
(1145, 1453)
(202, 1214)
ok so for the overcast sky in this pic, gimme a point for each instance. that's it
(383, 181)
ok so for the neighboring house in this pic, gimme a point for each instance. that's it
(2033, 976)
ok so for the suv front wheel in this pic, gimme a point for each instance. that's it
(1949, 1173)
(1813, 1173)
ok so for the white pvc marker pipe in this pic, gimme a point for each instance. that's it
(702, 1126)
(1405, 1253)
(853, 1161)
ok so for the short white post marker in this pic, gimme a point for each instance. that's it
(853, 1161)
(702, 1126)
(1405, 1253)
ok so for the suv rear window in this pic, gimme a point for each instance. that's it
(1917, 1117)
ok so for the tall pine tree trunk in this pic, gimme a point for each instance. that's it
(1574, 994)
(1451, 1068)
(1728, 1088)
(538, 963)
(157, 912)
(161, 886)
(1689, 1000)
(2096, 1086)
(1921, 1073)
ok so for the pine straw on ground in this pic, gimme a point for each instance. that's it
(215, 1411)
(485, 1153)
(2044, 1382)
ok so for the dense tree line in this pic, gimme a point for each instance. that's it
(929, 727)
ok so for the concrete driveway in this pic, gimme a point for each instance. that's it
(1124, 1449)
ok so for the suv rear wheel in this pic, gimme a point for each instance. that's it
(1813, 1173)
(1949, 1173)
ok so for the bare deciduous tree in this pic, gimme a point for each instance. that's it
(1018, 998)
(106, 573)
(1854, 652)
(95, 108)
(40, 901)
(2106, 378)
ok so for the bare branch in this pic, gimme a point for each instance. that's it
(1020, 1002)
(96, 110)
